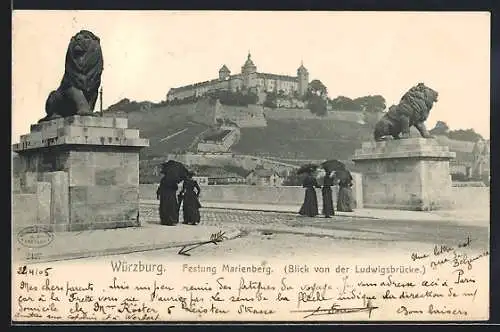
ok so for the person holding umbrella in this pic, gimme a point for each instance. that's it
(191, 205)
(326, 191)
(344, 201)
(173, 173)
(344, 178)
(310, 206)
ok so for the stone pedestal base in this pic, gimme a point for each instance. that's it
(100, 156)
(406, 174)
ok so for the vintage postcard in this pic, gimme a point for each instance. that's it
(250, 166)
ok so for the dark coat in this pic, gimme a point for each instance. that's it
(310, 206)
(326, 191)
(169, 206)
(191, 204)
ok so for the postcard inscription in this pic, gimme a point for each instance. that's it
(440, 285)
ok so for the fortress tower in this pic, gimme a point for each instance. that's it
(303, 77)
(249, 73)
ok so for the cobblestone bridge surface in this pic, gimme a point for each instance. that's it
(341, 227)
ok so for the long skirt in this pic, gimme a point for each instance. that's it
(191, 209)
(344, 201)
(328, 209)
(169, 208)
(310, 206)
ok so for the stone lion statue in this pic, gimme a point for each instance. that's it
(412, 110)
(78, 91)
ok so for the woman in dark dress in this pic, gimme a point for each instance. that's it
(344, 201)
(190, 198)
(310, 206)
(326, 191)
(169, 206)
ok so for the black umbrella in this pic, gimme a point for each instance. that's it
(307, 168)
(343, 175)
(174, 171)
(333, 165)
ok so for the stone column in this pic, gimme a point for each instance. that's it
(100, 156)
(407, 174)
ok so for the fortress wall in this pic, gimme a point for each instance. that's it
(243, 116)
(305, 114)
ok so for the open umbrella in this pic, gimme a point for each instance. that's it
(174, 171)
(307, 168)
(333, 165)
(343, 175)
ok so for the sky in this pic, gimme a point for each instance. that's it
(353, 53)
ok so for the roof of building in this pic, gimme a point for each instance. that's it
(249, 62)
(217, 136)
(302, 69)
(278, 77)
(196, 85)
(224, 69)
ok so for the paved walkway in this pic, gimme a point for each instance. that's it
(460, 216)
(73, 245)
(216, 218)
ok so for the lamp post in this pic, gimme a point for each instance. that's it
(100, 100)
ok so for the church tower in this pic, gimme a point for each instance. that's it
(249, 73)
(303, 77)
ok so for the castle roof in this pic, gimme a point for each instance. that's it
(224, 69)
(195, 85)
(277, 77)
(249, 63)
(302, 69)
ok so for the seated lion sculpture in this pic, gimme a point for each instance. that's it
(77, 94)
(412, 110)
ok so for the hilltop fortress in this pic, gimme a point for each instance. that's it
(249, 80)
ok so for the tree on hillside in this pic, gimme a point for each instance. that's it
(317, 88)
(468, 135)
(237, 98)
(373, 104)
(270, 100)
(441, 128)
(317, 105)
(344, 103)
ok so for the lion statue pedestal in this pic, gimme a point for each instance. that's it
(405, 174)
(91, 165)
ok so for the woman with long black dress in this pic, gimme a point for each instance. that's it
(169, 206)
(310, 206)
(326, 191)
(344, 201)
(191, 204)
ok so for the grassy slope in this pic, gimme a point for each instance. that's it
(304, 139)
(291, 139)
(159, 123)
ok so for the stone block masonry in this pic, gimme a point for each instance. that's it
(92, 164)
(407, 174)
(59, 205)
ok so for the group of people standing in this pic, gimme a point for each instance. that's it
(310, 206)
(171, 198)
(170, 201)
